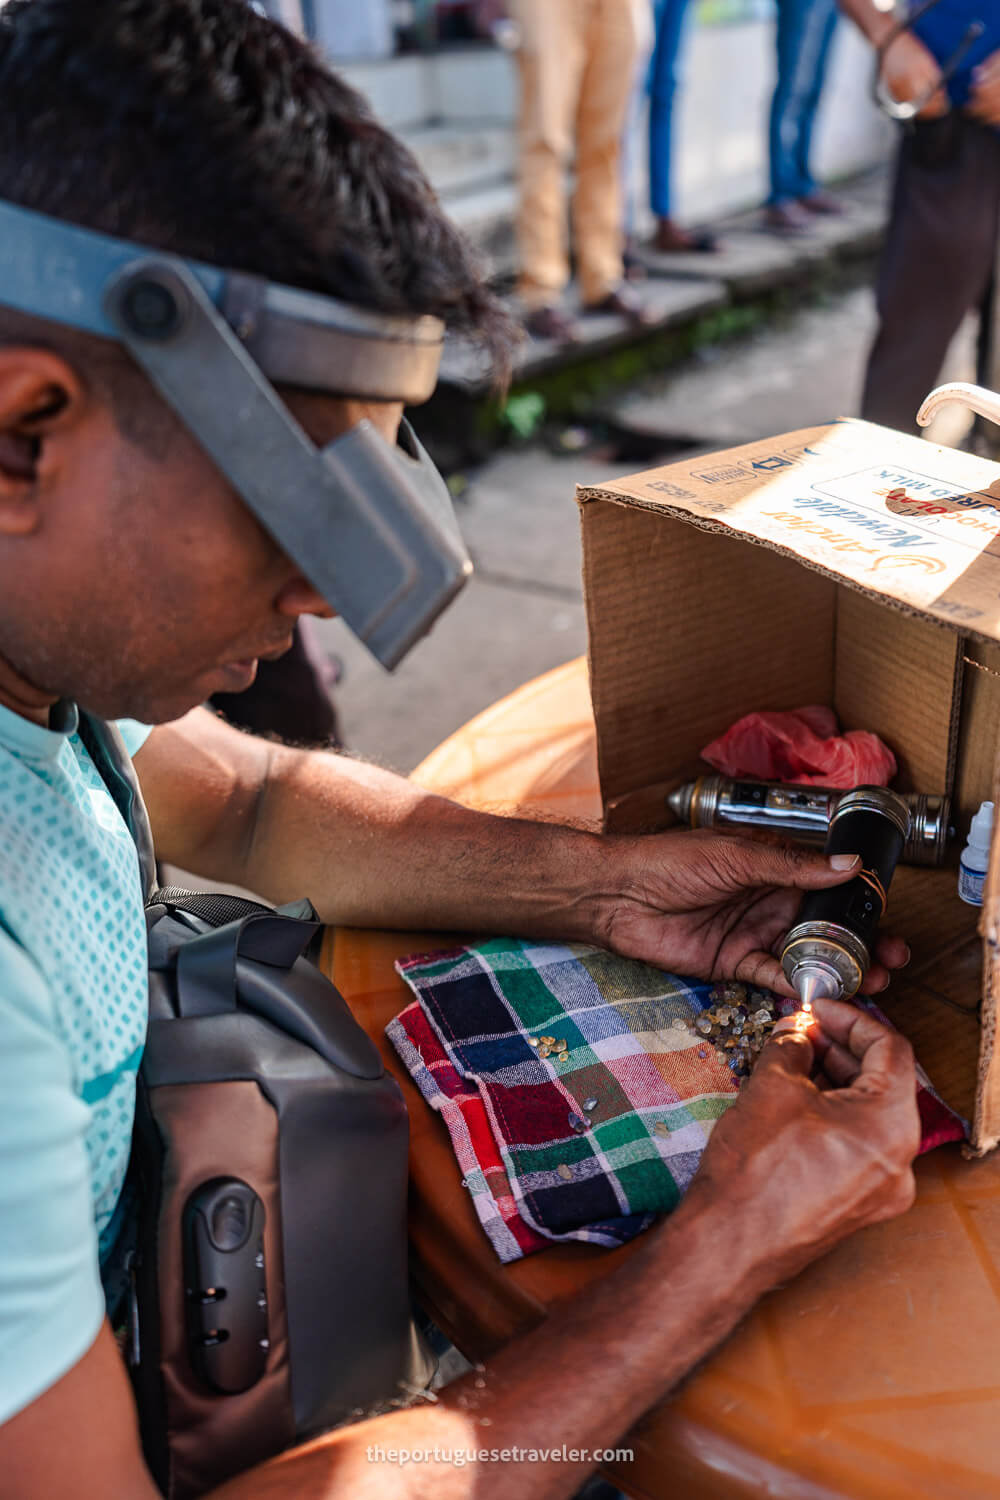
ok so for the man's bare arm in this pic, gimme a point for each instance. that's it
(372, 849)
(367, 846)
(787, 1172)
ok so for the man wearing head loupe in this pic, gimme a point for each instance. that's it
(150, 410)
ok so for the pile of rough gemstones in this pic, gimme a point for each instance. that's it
(735, 1025)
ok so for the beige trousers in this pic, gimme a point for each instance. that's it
(578, 62)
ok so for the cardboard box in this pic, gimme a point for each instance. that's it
(786, 573)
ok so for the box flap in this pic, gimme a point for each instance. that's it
(909, 523)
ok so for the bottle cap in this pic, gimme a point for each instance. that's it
(981, 831)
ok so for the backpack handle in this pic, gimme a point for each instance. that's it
(206, 966)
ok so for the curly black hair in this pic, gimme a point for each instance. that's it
(202, 127)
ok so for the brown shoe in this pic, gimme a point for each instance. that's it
(552, 324)
(625, 303)
(670, 239)
(819, 201)
(787, 218)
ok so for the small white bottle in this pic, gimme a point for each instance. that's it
(976, 856)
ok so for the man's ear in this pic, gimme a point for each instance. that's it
(40, 396)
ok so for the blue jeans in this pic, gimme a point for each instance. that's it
(805, 31)
(663, 79)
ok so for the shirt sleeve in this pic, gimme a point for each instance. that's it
(51, 1302)
(134, 734)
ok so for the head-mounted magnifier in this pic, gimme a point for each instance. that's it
(371, 526)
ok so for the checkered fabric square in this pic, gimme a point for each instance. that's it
(595, 1139)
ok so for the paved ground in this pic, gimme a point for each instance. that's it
(523, 612)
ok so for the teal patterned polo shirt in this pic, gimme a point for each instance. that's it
(73, 1005)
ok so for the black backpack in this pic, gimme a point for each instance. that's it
(264, 1266)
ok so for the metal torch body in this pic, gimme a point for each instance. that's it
(829, 949)
(801, 812)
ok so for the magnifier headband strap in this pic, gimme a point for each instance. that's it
(57, 271)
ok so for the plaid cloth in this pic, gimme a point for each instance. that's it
(658, 1088)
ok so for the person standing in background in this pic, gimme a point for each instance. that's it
(941, 245)
(805, 31)
(577, 62)
(671, 17)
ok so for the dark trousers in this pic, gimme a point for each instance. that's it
(937, 263)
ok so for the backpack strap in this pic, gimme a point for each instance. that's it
(107, 750)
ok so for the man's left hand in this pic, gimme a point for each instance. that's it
(713, 907)
(984, 97)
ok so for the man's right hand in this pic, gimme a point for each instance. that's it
(820, 1142)
(909, 70)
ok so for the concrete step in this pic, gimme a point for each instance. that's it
(455, 83)
(471, 166)
(465, 158)
(752, 259)
(487, 218)
(751, 262)
(669, 304)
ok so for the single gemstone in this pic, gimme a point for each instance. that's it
(704, 1025)
(544, 1051)
(702, 1051)
(548, 1041)
(532, 1041)
(661, 1128)
(565, 1172)
(679, 1024)
(761, 1016)
(561, 1045)
(590, 1103)
(575, 1123)
(725, 1015)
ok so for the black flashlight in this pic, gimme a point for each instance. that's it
(829, 950)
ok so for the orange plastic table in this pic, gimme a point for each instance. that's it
(876, 1373)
